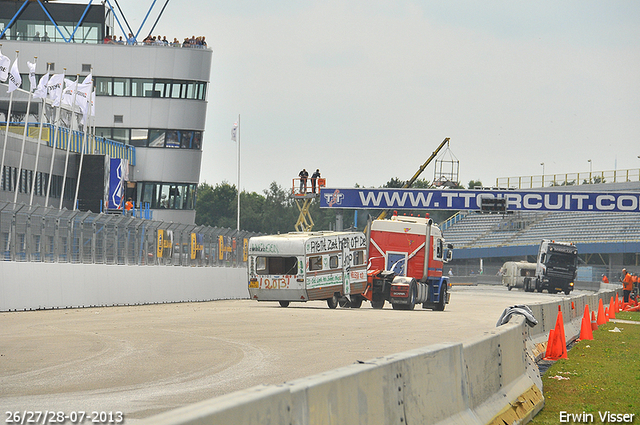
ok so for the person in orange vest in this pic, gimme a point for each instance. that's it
(627, 284)
(605, 279)
(128, 205)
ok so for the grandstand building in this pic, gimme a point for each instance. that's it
(606, 241)
(151, 102)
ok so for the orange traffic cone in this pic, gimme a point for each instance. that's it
(606, 314)
(601, 319)
(557, 345)
(594, 323)
(585, 329)
(551, 343)
(612, 309)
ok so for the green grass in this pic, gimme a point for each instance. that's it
(604, 375)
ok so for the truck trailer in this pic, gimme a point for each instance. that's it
(306, 266)
(518, 274)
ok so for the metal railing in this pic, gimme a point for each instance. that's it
(39, 234)
(94, 144)
(569, 179)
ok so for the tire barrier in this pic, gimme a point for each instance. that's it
(493, 379)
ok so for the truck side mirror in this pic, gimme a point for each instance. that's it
(448, 253)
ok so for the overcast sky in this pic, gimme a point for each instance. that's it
(366, 90)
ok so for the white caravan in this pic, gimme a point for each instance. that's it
(308, 266)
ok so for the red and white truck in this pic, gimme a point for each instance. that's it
(346, 268)
(406, 258)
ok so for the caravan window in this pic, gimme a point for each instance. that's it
(315, 263)
(333, 262)
(358, 258)
(277, 265)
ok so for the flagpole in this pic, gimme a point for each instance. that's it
(56, 122)
(24, 134)
(6, 133)
(83, 144)
(73, 117)
(35, 167)
(238, 172)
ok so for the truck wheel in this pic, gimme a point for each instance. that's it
(377, 304)
(332, 302)
(443, 299)
(412, 297)
(284, 303)
(567, 291)
(509, 287)
(356, 301)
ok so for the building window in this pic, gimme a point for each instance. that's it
(147, 87)
(153, 138)
(174, 196)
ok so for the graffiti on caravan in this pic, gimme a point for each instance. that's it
(460, 199)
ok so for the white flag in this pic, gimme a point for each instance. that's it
(88, 79)
(15, 81)
(54, 88)
(41, 91)
(32, 75)
(234, 131)
(68, 92)
(82, 96)
(5, 63)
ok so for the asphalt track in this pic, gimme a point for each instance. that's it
(143, 360)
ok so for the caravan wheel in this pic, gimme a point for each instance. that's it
(333, 302)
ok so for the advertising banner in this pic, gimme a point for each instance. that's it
(116, 183)
(197, 245)
(461, 199)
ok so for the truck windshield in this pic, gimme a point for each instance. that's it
(557, 259)
(277, 265)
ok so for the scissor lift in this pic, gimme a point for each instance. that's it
(304, 194)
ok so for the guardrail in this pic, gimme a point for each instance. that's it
(569, 179)
(74, 140)
(50, 235)
(492, 379)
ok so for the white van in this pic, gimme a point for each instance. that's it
(517, 274)
(304, 266)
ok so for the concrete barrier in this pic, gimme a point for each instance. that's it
(489, 380)
(33, 286)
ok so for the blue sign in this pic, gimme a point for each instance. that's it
(116, 183)
(461, 199)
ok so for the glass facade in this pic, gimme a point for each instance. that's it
(149, 87)
(34, 23)
(175, 196)
(153, 138)
(10, 181)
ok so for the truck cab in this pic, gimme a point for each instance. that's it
(556, 267)
(414, 251)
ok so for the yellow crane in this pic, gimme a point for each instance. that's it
(412, 180)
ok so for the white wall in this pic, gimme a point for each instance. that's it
(31, 286)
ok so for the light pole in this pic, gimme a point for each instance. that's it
(542, 163)
(590, 168)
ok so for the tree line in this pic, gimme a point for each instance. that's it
(275, 211)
